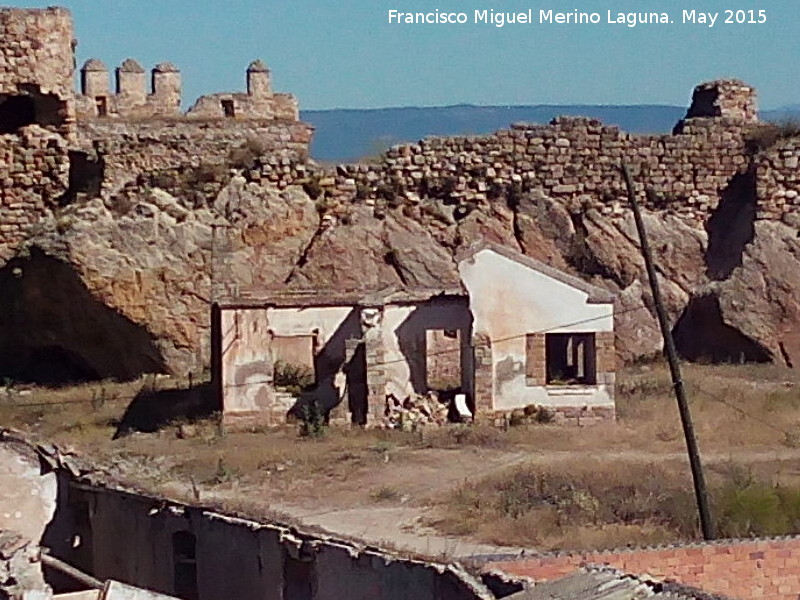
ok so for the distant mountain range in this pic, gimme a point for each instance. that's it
(345, 135)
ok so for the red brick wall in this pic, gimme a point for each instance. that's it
(765, 568)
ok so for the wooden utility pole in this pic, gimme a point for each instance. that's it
(674, 367)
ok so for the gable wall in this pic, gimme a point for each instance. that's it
(510, 300)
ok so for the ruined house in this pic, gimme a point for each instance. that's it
(80, 514)
(517, 333)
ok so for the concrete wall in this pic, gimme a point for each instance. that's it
(508, 301)
(757, 568)
(329, 325)
(404, 328)
(243, 559)
(247, 372)
(247, 357)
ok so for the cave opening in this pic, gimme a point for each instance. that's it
(54, 332)
(701, 335)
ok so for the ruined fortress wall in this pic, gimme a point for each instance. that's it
(778, 181)
(129, 149)
(34, 173)
(273, 106)
(37, 51)
(573, 159)
(132, 99)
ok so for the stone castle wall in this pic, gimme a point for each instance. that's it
(573, 159)
(129, 149)
(34, 173)
(577, 160)
(778, 182)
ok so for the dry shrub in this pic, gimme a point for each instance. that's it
(247, 153)
(602, 505)
(551, 506)
(385, 494)
(457, 435)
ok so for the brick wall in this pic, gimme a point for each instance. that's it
(605, 353)
(484, 374)
(759, 568)
(536, 359)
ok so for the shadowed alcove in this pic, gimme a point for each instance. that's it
(53, 332)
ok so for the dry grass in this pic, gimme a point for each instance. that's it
(747, 418)
(575, 505)
(600, 504)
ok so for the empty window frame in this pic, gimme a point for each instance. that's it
(570, 359)
(184, 565)
(228, 108)
(101, 102)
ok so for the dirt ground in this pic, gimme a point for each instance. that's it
(398, 488)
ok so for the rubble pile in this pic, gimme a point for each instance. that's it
(414, 412)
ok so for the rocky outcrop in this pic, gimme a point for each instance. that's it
(754, 313)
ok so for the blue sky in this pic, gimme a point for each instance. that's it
(345, 54)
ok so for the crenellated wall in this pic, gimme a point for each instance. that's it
(134, 99)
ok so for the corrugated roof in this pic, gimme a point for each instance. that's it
(605, 583)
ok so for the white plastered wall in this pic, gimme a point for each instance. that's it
(509, 300)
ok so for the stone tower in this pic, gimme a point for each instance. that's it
(36, 84)
(258, 83)
(130, 85)
(726, 98)
(166, 82)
